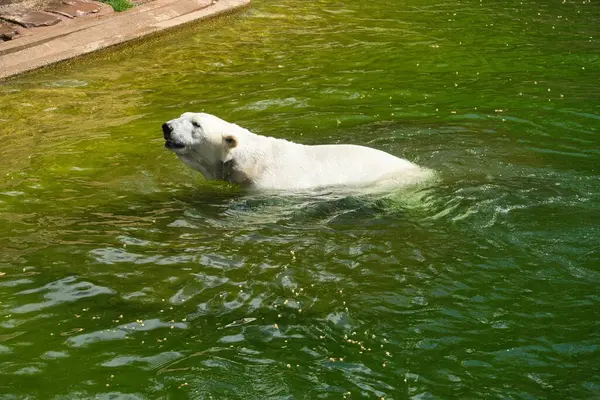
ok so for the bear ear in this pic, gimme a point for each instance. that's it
(231, 141)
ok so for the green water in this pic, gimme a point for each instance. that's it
(129, 277)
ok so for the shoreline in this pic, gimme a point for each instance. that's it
(53, 44)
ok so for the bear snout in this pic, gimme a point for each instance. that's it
(167, 131)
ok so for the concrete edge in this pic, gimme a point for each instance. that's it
(160, 16)
(46, 33)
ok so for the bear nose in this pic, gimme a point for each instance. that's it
(167, 130)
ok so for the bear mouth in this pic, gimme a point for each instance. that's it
(169, 144)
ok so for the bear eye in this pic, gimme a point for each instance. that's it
(195, 124)
(229, 140)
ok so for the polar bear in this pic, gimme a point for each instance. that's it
(220, 150)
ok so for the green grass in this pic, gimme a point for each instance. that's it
(119, 5)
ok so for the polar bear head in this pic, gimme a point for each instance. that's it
(207, 144)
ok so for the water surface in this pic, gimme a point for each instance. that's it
(128, 276)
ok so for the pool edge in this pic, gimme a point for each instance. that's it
(129, 25)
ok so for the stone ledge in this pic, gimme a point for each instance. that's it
(7, 32)
(74, 8)
(32, 19)
(85, 36)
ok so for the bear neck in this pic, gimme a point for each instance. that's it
(260, 156)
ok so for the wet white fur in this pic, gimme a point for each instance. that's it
(270, 163)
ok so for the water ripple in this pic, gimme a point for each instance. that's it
(62, 291)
